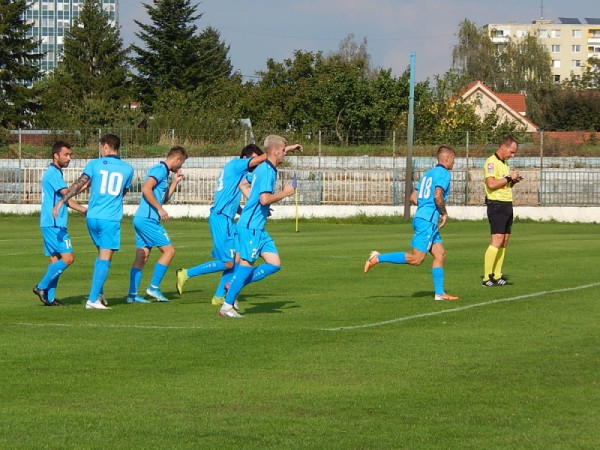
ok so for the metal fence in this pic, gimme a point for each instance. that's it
(342, 186)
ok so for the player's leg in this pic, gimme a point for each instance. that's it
(106, 235)
(499, 261)
(270, 255)
(135, 274)
(160, 269)
(57, 246)
(437, 271)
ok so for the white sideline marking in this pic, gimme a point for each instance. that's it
(462, 308)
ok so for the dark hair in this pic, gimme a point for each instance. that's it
(178, 150)
(249, 149)
(507, 141)
(58, 145)
(111, 140)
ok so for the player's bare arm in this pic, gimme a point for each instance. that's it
(293, 148)
(413, 197)
(267, 198)
(148, 193)
(245, 187)
(173, 186)
(82, 183)
(438, 196)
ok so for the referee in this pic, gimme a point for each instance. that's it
(499, 181)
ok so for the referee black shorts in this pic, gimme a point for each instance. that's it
(500, 216)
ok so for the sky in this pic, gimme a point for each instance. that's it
(256, 30)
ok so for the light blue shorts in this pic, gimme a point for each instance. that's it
(56, 241)
(426, 234)
(222, 229)
(149, 233)
(253, 243)
(105, 234)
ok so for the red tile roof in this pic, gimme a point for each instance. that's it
(515, 101)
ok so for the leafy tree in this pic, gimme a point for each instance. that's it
(174, 55)
(89, 88)
(17, 66)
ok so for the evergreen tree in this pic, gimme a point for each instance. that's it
(89, 86)
(17, 65)
(174, 54)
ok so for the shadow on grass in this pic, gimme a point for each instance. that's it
(275, 307)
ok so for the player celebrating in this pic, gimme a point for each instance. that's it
(222, 228)
(253, 239)
(156, 191)
(109, 179)
(430, 195)
(57, 243)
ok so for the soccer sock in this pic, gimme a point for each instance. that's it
(241, 274)
(394, 258)
(225, 278)
(208, 267)
(497, 269)
(438, 280)
(159, 273)
(51, 290)
(262, 271)
(99, 278)
(135, 276)
(54, 270)
(488, 266)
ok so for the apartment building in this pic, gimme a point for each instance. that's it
(51, 19)
(570, 41)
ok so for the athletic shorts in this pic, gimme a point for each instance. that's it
(105, 234)
(253, 243)
(149, 233)
(426, 234)
(56, 241)
(222, 229)
(500, 216)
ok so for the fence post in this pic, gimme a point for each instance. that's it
(20, 167)
(172, 137)
(319, 149)
(99, 146)
(541, 190)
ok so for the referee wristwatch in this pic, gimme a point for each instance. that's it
(508, 179)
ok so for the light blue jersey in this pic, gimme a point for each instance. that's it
(160, 172)
(52, 183)
(427, 210)
(254, 215)
(227, 192)
(110, 178)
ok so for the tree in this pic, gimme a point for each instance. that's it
(17, 66)
(89, 87)
(174, 55)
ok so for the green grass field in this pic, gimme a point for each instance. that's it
(326, 356)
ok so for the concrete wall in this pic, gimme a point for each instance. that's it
(560, 214)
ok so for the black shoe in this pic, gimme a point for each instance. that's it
(489, 283)
(42, 295)
(56, 302)
(502, 282)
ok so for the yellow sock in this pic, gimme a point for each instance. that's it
(497, 268)
(488, 262)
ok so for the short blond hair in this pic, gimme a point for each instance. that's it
(272, 140)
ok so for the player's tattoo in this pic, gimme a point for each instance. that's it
(76, 187)
(438, 196)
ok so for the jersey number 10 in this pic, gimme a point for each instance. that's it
(111, 182)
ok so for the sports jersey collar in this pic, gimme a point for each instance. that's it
(271, 164)
(441, 165)
(56, 167)
(166, 167)
(498, 158)
(113, 156)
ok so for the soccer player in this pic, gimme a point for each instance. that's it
(253, 239)
(499, 181)
(57, 243)
(430, 196)
(227, 198)
(109, 179)
(156, 191)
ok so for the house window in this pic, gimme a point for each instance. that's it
(576, 34)
(557, 78)
(556, 49)
(521, 33)
(555, 33)
(576, 48)
(576, 63)
(556, 63)
(543, 33)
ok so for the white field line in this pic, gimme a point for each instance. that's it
(462, 308)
